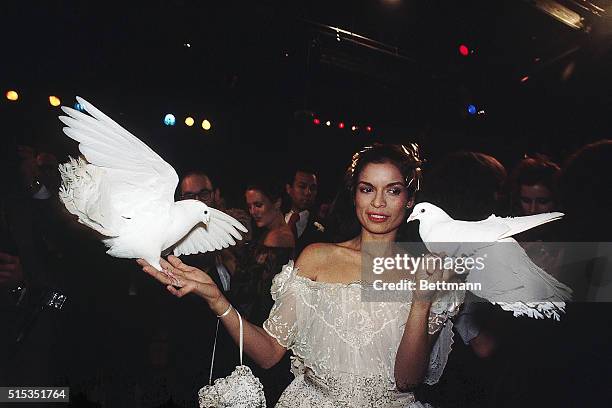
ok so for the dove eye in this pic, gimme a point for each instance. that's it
(206, 212)
(422, 210)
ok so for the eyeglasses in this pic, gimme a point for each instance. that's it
(202, 195)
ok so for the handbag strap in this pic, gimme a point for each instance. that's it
(212, 360)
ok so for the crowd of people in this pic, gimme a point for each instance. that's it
(78, 317)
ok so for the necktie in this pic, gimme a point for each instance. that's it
(293, 220)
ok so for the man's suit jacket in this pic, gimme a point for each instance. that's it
(311, 235)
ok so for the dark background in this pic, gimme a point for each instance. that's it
(261, 71)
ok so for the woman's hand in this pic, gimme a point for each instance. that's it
(431, 270)
(188, 279)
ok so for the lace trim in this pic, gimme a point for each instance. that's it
(333, 284)
(286, 344)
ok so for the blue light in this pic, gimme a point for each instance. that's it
(79, 107)
(471, 109)
(169, 120)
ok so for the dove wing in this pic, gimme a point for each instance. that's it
(491, 229)
(517, 225)
(220, 232)
(130, 179)
(106, 144)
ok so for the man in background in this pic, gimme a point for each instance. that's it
(302, 188)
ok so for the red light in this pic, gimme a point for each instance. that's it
(341, 125)
(316, 121)
(525, 78)
(369, 128)
(464, 50)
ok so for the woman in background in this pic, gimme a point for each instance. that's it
(266, 255)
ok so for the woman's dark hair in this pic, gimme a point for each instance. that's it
(342, 221)
(465, 185)
(530, 171)
(536, 170)
(270, 189)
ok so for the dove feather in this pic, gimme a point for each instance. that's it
(125, 191)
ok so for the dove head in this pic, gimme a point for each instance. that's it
(196, 210)
(428, 214)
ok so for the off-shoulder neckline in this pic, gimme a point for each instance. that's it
(309, 281)
(339, 284)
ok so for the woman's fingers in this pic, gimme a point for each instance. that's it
(164, 264)
(142, 262)
(201, 289)
(178, 281)
(177, 263)
(180, 292)
(159, 275)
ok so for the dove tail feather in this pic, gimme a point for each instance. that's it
(76, 181)
(535, 310)
(524, 223)
(116, 249)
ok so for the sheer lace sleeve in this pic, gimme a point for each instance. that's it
(282, 321)
(446, 306)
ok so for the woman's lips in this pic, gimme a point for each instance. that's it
(376, 217)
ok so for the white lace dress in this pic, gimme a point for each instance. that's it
(345, 348)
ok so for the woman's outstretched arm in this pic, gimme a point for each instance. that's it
(259, 345)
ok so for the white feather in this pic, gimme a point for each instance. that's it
(125, 191)
(510, 278)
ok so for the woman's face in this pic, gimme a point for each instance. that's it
(381, 198)
(536, 199)
(261, 208)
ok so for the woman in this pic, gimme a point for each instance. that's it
(349, 353)
(533, 183)
(265, 257)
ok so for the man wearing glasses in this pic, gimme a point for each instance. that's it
(196, 185)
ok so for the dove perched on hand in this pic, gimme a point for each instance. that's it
(510, 278)
(125, 191)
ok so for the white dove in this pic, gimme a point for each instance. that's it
(125, 191)
(510, 278)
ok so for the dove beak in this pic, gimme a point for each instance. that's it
(411, 218)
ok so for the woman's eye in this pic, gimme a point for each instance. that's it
(395, 191)
(365, 189)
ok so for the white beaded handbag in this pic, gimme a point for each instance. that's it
(241, 389)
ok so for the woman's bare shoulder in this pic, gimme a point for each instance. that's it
(316, 259)
(280, 238)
